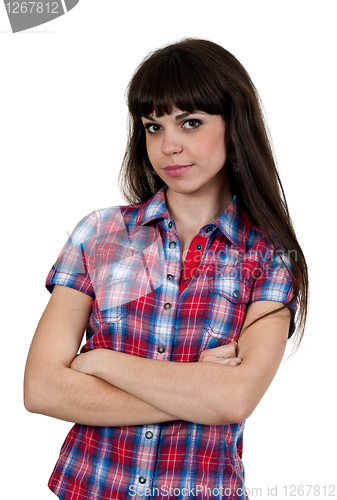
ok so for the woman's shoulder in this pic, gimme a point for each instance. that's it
(109, 219)
(256, 237)
(265, 248)
(118, 214)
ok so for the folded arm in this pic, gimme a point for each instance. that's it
(105, 387)
(52, 388)
(211, 392)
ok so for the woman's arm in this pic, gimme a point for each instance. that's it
(209, 393)
(53, 389)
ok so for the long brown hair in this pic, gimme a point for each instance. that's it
(196, 74)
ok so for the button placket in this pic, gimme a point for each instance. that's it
(162, 341)
(146, 454)
(200, 243)
(162, 335)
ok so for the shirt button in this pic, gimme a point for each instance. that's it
(142, 480)
(170, 277)
(198, 246)
(167, 305)
(208, 229)
(236, 293)
(170, 224)
(172, 244)
(185, 280)
(109, 278)
(161, 349)
(149, 435)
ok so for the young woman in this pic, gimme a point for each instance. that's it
(187, 295)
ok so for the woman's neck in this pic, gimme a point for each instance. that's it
(194, 210)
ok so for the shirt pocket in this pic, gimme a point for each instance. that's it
(226, 310)
(115, 283)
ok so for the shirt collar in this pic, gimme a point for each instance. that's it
(233, 222)
(154, 208)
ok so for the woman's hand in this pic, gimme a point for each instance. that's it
(224, 354)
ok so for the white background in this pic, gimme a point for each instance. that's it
(63, 131)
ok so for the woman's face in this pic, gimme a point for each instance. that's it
(187, 150)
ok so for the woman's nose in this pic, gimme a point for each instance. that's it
(171, 144)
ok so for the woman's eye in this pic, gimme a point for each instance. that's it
(152, 128)
(191, 124)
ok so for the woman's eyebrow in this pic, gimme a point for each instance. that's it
(183, 115)
(178, 117)
(148, 117)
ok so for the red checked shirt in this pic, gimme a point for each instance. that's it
(147, 303)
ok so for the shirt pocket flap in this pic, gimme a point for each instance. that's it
(116, 273)
(114, 290)
(233, 289)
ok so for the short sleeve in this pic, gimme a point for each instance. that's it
(74, 266)
(272, 281)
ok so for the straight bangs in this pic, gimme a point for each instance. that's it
(175, 81)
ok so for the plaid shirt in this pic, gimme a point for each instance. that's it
(128, 259)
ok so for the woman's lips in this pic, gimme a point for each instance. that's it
(175, 170)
